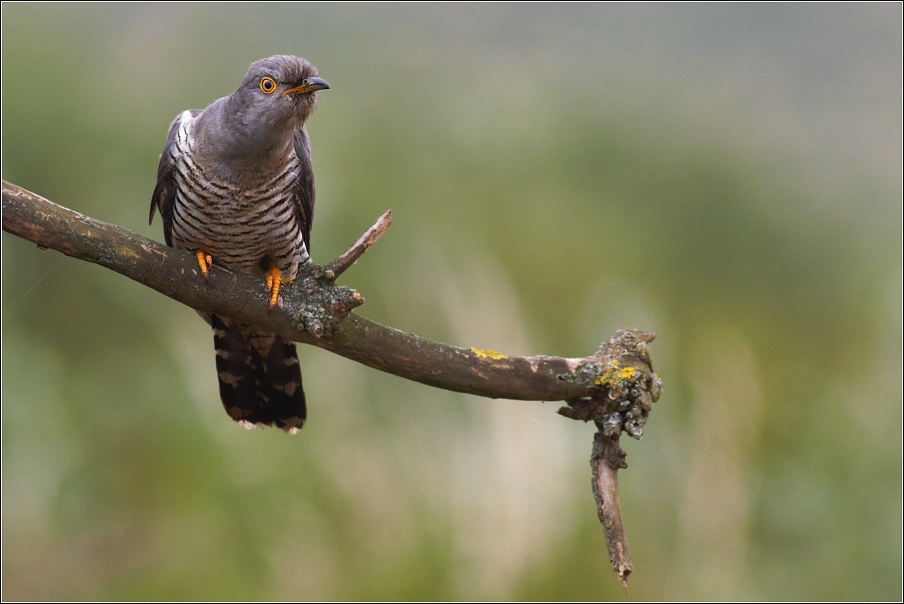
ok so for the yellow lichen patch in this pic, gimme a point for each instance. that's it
(488, 354)
(614, 373)
(127, 251)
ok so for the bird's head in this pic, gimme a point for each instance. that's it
(278, 93)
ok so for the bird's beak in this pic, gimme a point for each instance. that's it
(308, 85)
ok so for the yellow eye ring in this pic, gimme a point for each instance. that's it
(268, 85)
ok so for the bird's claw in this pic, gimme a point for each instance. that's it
(205, 261)
(274, 281)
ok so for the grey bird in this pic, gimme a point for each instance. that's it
(235, 187)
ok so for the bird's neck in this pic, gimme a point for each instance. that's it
(239, 144)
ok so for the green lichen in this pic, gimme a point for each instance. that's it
(626, 387)
(316, 304)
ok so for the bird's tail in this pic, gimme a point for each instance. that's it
(260, 379)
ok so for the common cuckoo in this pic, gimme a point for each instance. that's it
(235, 187)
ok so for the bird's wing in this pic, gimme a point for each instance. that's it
(304, 186)
(165, 192)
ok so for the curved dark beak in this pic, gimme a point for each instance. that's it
(308, 85)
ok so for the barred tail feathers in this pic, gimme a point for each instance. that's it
(259, 375)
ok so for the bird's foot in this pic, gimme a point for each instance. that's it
(274, 281)
(205, 261)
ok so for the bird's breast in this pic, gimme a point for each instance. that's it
(242, 222)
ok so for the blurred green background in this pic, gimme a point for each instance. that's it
(728, 177)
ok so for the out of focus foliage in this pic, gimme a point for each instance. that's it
(726, 176)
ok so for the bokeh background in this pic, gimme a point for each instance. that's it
(728, 177)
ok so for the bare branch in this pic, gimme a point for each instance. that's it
(351, 255)
(628, 389)
(313, 310)
(614, 387)
(605, 462)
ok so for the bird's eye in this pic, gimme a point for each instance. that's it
(268, 85)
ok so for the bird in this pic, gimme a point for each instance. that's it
(235, 187)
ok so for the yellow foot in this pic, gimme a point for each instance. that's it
(274, 280)
(205, 261)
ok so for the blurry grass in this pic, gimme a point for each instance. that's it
(555, 217)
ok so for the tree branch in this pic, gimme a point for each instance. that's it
(614, 387)
(351, 255)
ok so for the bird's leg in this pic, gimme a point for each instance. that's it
(205, 261)
(274, 280)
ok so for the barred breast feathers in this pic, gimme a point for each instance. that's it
(236, 223)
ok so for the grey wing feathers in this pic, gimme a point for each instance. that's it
(165, 192)
(304, 189)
